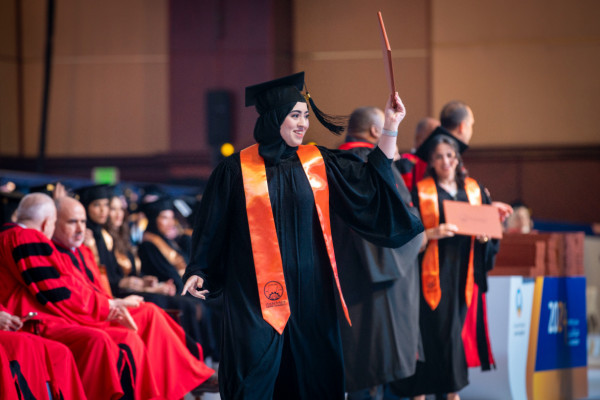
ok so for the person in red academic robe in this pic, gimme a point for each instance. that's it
(37, 364)
(177, 360)
(111, 361)
(8, 391)
(411, 167)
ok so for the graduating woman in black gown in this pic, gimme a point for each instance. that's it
(444, 297)
(301, 359)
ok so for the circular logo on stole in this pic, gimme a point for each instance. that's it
(273, 290)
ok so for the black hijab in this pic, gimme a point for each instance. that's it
(273, 106)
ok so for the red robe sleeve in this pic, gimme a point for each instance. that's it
(38, 278)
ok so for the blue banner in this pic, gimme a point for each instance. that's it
(563, 327)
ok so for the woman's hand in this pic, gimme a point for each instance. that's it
(132, 283)
(194, 286)
(167, 288)
(441, 231)
(394, 112)
(504, 210)
(132, 300)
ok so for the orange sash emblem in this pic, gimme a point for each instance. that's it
(430, 267)
(263, 235)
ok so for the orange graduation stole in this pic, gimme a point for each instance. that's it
(263, 236)
(430, 267)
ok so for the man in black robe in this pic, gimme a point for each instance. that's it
(305, 361)
(381, 287)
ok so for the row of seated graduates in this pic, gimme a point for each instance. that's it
(142, 244)
(152, 268)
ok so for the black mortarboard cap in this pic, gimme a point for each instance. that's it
(426, 147)
(269, 95)
(276, 92)
(87, 194)
(154, 208)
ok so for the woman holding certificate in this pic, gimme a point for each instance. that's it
(453, 270)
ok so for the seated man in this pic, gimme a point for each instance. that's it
(35, 364)
(176, 359)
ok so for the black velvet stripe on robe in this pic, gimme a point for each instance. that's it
(364, 195)
(445, 368)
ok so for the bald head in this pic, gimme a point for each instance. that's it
(37, 211)
(71, 222)
(424, 128)
(366, 123)
(457, 118)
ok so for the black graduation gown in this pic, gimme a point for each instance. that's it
(154, 263)
(306, 361)
(381, 287)
(445, 368)
(207, 331)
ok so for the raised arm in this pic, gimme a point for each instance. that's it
(393, 117)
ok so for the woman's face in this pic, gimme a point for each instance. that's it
(295, 125)
(444, 161)
(116, 213)
(98, 211)
(165, 223)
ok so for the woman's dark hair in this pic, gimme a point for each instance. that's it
(120, 234)
(461, 171)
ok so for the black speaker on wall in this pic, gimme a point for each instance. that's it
(219, 117)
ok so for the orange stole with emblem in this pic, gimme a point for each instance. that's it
(430, 266)
(263, 235)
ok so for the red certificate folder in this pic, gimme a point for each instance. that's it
(481, 220)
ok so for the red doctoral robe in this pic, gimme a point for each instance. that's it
(177, 361)
(36, 278)
(28, 363)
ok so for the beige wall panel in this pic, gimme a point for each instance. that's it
(9, 141)
(523, 95)
(338, 44)
(468, 21)
(338, 87)
(111, 27)
(108, 109)
(34, 28)
(337, 25)
(109, 87)
(32, 105)
(8, 49)
(8, 80)
(528, 69)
